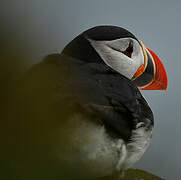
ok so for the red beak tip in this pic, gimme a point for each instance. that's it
(161, 81)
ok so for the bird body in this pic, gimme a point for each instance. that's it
(84, 105)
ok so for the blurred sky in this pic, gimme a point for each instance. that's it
(32, 29)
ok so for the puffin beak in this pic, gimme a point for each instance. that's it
(152, 75)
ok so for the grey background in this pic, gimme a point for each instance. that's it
(33, 29)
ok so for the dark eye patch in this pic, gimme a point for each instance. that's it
(129, 50)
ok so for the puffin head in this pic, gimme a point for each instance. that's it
(119, 49)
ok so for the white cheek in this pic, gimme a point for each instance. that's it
(117, 60)
(137, 55)
(120, 44)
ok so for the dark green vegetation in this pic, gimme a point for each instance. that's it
(133, 174)
(136, 174)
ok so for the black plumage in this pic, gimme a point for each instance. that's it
(72, 85)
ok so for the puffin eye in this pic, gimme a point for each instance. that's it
(129, 50)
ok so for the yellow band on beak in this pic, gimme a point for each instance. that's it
(142, 68)
(144, 53)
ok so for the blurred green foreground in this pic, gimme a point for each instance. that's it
(136, 174)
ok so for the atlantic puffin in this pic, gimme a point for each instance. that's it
(84, 105)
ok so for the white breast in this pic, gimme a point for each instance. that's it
(86, 149)
(141, 138)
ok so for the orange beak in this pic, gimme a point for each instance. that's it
(154, 76)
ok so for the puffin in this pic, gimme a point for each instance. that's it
(84, 115)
